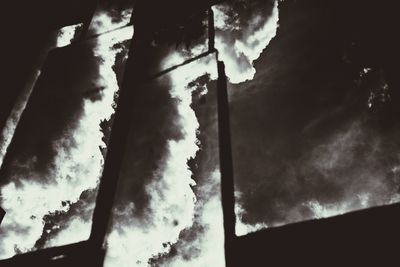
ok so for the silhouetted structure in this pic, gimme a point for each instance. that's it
(226, 165)
(187, 15)
(27, 33)
(362, 238)
(2, 213)
(359, 238)
(138, 71)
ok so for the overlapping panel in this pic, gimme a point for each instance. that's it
(168, 200)
(50, 175)
(314, 128)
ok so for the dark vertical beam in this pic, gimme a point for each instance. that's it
(136, 73)
(86, 25)
(2, 213)
(226, 165)
(211, 30)
(117, 143)
(139, 63)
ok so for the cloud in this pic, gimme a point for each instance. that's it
(56, 145)
(241, 43)
(305, 144)
(64, 37)
(203, 243)
(156, 208)
(169, 200)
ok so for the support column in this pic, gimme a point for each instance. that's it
(226, 166)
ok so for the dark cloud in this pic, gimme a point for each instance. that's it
(153, 125)
(301, 129)
(68, 90)
(28, 31)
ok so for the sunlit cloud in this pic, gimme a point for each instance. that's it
(240, 53)
(103, 21)
(209, 245)
(129, 243)
(26, 204)
(321, 211)
(86, 162)
(172, 203)
(66, 35)
(77, 167)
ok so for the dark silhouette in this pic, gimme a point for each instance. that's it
(363, 238)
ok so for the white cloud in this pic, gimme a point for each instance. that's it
(239, 54)
(172, 199)
(210, 243)
(76, 169)
(66, 35)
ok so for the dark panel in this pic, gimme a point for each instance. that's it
(2, 213)
(28, 25)
(363, 238)
(78, 254)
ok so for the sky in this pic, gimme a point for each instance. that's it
(311, 101)
(311, 132)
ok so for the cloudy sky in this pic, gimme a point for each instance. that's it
(312, 100)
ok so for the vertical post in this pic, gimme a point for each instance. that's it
(134, 75)
(2, 213)
(226, 166)
(87, 22)
(211, 30)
